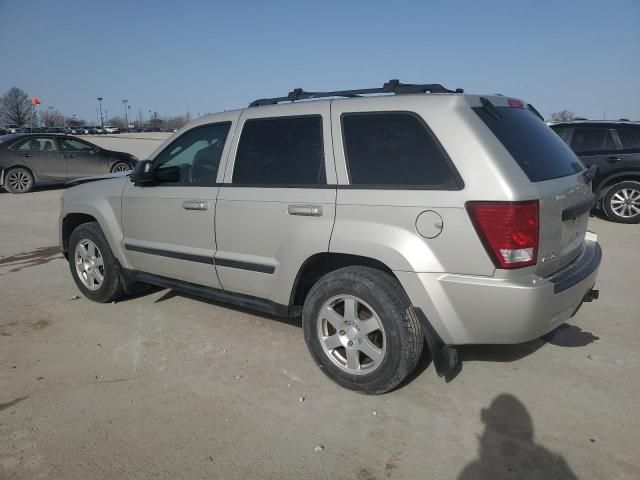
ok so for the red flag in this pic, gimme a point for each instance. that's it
(35, 101)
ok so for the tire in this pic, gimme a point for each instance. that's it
(110, 288)
(18, 180)
(622, 202)
(378, 297)
(120, 167)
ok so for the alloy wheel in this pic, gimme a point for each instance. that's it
(351, 334)
(19, 180)
(626, 202)
(89, 264)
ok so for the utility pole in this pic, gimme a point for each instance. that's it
(125, 101)
(101, 118)
(129, 109)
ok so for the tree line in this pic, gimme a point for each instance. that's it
(16, 109)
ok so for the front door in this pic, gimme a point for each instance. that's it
(277, 205)
(82, 158)
(169, 226)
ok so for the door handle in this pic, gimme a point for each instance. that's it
(69, 155)
(27, 155)
(195, 205)
(305, 210)
(614, 159)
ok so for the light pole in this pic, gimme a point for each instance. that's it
(101, 118)
(149, 117)
(129, 109)
(125, 101)
(106, 116)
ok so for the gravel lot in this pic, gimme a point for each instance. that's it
(168, 386)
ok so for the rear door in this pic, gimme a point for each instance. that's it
(277, 205)
(596, 145)
(43, 156)
(564, 193)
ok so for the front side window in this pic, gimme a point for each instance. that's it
(194, 157)
(588, 139)
(629, 137)
(37, 144)
(395, 148)
(73, 145)
(281, 151)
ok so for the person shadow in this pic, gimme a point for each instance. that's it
(508, 450)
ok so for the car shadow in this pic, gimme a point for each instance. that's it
(507, 447)
(43, 188)
(564, 335)
(23, 260)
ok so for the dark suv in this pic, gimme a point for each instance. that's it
(614, 146)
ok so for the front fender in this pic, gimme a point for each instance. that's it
(101, 200)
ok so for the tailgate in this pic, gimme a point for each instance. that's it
(565, 204)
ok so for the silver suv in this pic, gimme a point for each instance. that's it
(390, 219)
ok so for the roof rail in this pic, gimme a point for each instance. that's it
(392, 86)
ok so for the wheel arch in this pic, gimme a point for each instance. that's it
(609, 181)
(4, 171)
(69, 223)
(319, 264)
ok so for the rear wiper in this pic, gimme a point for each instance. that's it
(535, 111)
(490, 108)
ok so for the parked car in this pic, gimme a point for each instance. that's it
(12, 128)
(29, 160)
(390, 223)
(89, 130)
(54, 130)
(109, 129)
(3, 131)
(74, 130)
(614, 147)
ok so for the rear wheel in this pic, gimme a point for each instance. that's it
(622, 202)
(19, 180)
(93, 266)
(361, 329)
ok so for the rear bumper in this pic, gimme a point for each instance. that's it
(467, 309)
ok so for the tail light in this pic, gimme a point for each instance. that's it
(515, 103)
(508, 230)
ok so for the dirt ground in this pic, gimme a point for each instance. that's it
(167, 386)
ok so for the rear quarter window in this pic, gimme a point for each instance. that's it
(538, 150)
(629, 137)
(395, 149)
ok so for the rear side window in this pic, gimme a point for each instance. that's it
(540, 152)
(281, 151)
(629, 137)
(37, 144)
(395, 148)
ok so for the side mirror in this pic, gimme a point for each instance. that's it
(142, 172)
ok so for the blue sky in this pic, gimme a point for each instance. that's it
(207, 56)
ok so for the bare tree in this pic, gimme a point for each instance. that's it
(15, 107)
(118, 122)
(73, 121)
(52, 118)
(562, 116)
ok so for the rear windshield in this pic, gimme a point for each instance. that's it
(539, 151)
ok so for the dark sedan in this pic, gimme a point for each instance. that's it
(27, 160)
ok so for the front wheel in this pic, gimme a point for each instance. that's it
(120, 167)
(93, 266)
(622, 202)
(361, 329)
(19, 180)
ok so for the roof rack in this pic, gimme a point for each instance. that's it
(392, 86)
